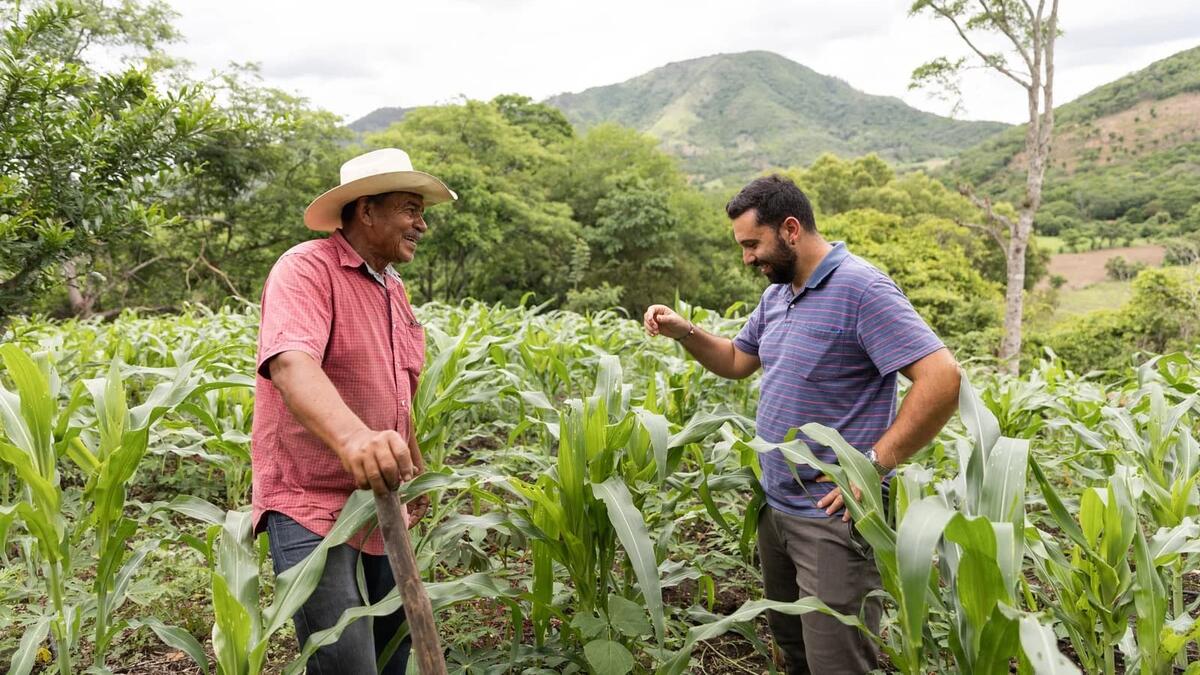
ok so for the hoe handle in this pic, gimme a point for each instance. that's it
(426, 645)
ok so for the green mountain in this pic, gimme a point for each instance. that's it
(1124, 162)
(733, 115)
(378, 119)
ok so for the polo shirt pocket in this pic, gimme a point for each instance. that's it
(825, 353)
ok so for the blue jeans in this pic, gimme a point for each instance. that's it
(361, 644)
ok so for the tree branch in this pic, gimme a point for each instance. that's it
(962, 34)
(990, 230)
(129, 273)
(985, 204)
(1001, 21)
(224, 277)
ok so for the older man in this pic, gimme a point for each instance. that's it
(830, 334)
(339, 354)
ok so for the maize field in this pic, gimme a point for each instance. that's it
(594, 497)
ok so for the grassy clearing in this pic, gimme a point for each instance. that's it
(1104, 295)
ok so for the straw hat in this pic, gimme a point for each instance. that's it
(376, 172)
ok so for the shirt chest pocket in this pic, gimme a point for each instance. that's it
(410, 345)
(823, 354)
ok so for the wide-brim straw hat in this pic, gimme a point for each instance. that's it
(376, 172)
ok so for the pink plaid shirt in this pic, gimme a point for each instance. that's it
(321, 299)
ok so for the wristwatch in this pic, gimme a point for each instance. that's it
(879, 468)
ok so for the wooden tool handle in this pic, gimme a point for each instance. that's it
(426, 645)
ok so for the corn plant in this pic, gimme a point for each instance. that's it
(609, 455)
(108, 455)
(974, 524)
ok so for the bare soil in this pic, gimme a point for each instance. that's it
(1085, 269)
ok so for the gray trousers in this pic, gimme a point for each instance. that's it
(827, 558)
(364, 640)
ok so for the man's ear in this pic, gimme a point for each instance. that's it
(362, 207)
(791, 228)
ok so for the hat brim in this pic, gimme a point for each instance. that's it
(324, 214)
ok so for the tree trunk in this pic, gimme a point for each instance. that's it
(81, 301)
(1014, 296)
(1040, 100)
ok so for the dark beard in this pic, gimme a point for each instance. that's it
(783, 263)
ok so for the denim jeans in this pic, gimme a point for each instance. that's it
(360, 645)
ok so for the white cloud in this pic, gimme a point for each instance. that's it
(353, 56)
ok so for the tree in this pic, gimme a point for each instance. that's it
(545, 123)
(1029, 34)
(504, 236)
(83, 153)
(243, 207)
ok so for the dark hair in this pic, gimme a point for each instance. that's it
(773, 199)
(348, 209)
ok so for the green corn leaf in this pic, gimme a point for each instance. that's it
(194, 507)
(293, 587)
(1150, 599)
(1041, 648)
(35, 435)
(703, 425)
(231, 631)
(678, 664)
(1062, 517)
(916, 539)
(856, 465)
(25, 657)
(174, 636)
(660, 435)
(1003, 497)
(631, 530)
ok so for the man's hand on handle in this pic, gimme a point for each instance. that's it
(378, 460)
(381, 461)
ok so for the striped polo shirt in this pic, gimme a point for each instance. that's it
(829, 355)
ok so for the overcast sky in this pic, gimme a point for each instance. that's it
(353, 56)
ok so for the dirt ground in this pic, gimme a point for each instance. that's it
(1085, 269)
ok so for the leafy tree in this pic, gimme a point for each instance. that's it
(234, 216)
(868, 183)
(545, 123)
(1160, 317)
(84, 153)
(504, 237)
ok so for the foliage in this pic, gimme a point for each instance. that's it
(1118, 268)
(838, 185)
(588, 484)
(1098, 187)
(927, 260)
(240, 209)
(1159, 317)
(86, 153)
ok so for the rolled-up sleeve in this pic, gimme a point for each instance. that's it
(297, 311)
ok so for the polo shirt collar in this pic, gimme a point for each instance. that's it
(828, 264)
